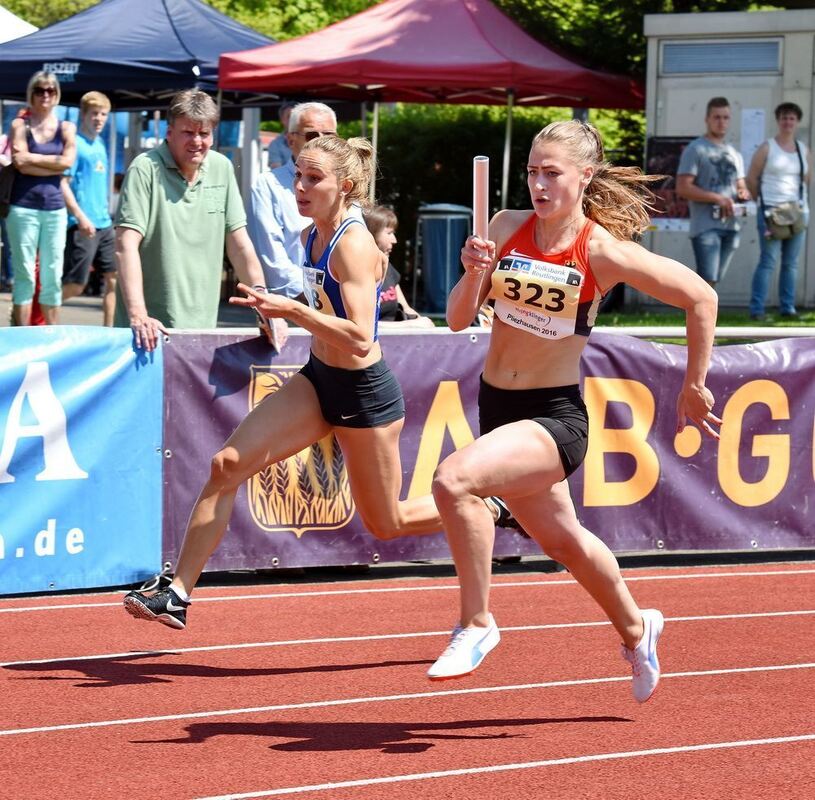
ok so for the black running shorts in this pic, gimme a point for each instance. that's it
(356, 398)
(559, 409)
(81, 253)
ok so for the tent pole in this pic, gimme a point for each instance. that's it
(375, 143)
(112, 137)
(507, 143)
(134, 137)
(216, 144)
(250, 158)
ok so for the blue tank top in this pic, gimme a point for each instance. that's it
(34, 191)
(322, 288)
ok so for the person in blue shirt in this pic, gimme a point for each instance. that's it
(711, 177)
(90, 241)
(273, 221)
(279, 152)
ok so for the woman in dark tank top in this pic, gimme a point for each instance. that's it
(43, 148)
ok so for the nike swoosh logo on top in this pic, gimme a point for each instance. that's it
(514, 252)
(172, 607)
(348, 416)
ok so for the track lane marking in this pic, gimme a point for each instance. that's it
(384, 637)
(550, 762)
(442, 587)
(391, 698)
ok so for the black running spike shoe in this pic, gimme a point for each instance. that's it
(505, 518)
(164, 606)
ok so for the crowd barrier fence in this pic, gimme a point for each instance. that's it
(103, 450)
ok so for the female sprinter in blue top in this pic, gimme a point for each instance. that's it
(346, 387)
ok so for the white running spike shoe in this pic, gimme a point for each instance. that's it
(466, 651)
(643, 658)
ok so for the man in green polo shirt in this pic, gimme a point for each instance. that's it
(178, 206)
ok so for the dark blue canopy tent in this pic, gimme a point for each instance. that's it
(138, 52)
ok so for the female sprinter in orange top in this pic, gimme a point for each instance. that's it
(547, 269)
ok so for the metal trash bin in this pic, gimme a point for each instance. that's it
(441, 229)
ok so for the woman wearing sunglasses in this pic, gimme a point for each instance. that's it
(42, 149)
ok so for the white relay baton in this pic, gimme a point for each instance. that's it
(481, 193)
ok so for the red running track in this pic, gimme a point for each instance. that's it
(318, 691)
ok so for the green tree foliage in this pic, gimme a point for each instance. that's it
(286, 19)
(280, 19)
(46, 12)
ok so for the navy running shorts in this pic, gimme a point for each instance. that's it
(356, 398)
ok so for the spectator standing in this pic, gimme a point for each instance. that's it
(178, 206)
(393, 305)
(279, 152)
(42, 149)
(275, 223)
(711, 177)
(91, 241)
(779, 174)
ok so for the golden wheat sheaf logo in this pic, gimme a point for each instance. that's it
(308, 491)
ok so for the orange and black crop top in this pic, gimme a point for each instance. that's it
(551, 295)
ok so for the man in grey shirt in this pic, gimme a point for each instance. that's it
(711, 177)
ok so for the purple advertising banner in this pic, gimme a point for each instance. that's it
(645, 488)
(642, 487)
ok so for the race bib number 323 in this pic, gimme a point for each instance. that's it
(536, 296)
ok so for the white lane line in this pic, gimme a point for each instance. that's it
(551, 762)
(390, 698)
(432, 588)
(381, 637)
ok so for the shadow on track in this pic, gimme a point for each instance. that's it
(143, 668)
(387, 737)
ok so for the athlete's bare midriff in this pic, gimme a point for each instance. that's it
(335, 357)
(519, 360)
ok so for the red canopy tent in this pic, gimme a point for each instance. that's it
(427, 51)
